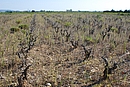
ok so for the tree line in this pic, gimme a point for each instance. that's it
(125, 11)
(113, 11)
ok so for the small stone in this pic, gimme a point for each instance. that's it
(59, 77)
(93, 70)
(2, 77)
(48, 84)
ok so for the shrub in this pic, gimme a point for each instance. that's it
(12, 30)
(23, 26)
(23, 31)
(89, 40)
(114, 29)
(18, 22)
(67, 24)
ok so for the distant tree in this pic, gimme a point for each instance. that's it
(42, 10)
(33, 10)
(9, 11)
(106, 11)
(120, 11)
(26, 11)
(126, 11)
(69, 10)
(112, 10)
